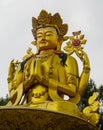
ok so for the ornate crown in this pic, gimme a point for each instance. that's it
(45, 19)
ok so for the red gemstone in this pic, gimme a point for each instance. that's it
(76, 42)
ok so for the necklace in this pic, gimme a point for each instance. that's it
(44, 56)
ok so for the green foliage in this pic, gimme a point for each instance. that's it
(3, 101)
(100, 124)
(100, 91)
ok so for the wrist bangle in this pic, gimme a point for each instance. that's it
(86, 69)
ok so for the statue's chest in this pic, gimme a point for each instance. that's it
(50, 66)
(45, 66)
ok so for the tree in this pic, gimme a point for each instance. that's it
(3, 101)
(100, 91)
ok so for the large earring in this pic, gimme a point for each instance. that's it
(58, 47)
(60, 40)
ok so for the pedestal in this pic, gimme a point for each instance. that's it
(26, 118)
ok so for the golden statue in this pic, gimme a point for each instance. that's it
(50, 78)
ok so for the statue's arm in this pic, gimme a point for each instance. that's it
(68, 89)
(84, 77)
(72, 75)
(15, 76)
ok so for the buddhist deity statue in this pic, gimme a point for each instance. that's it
(49, 74)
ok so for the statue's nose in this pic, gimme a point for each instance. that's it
(43, 37)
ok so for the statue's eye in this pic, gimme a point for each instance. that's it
(39, 36)
(49, 34)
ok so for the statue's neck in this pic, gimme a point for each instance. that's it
(44, 52)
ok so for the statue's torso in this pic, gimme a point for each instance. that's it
(57, 67)
(50, 67)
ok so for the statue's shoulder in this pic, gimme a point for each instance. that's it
(71, 60)
(67, 58)
(27, 59)
(71, 65)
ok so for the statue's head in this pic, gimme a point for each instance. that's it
(48, 30)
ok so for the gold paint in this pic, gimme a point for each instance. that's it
(91, 111)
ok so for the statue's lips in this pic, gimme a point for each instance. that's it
(43, 42)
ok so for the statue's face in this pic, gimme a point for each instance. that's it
(47, 38)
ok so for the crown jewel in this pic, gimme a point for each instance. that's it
(45, 19)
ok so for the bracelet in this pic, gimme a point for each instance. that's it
(86, 69)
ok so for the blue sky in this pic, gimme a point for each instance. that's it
(16, 36)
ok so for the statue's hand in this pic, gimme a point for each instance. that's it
(28, 83)
(40, 77)
(11, 71)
